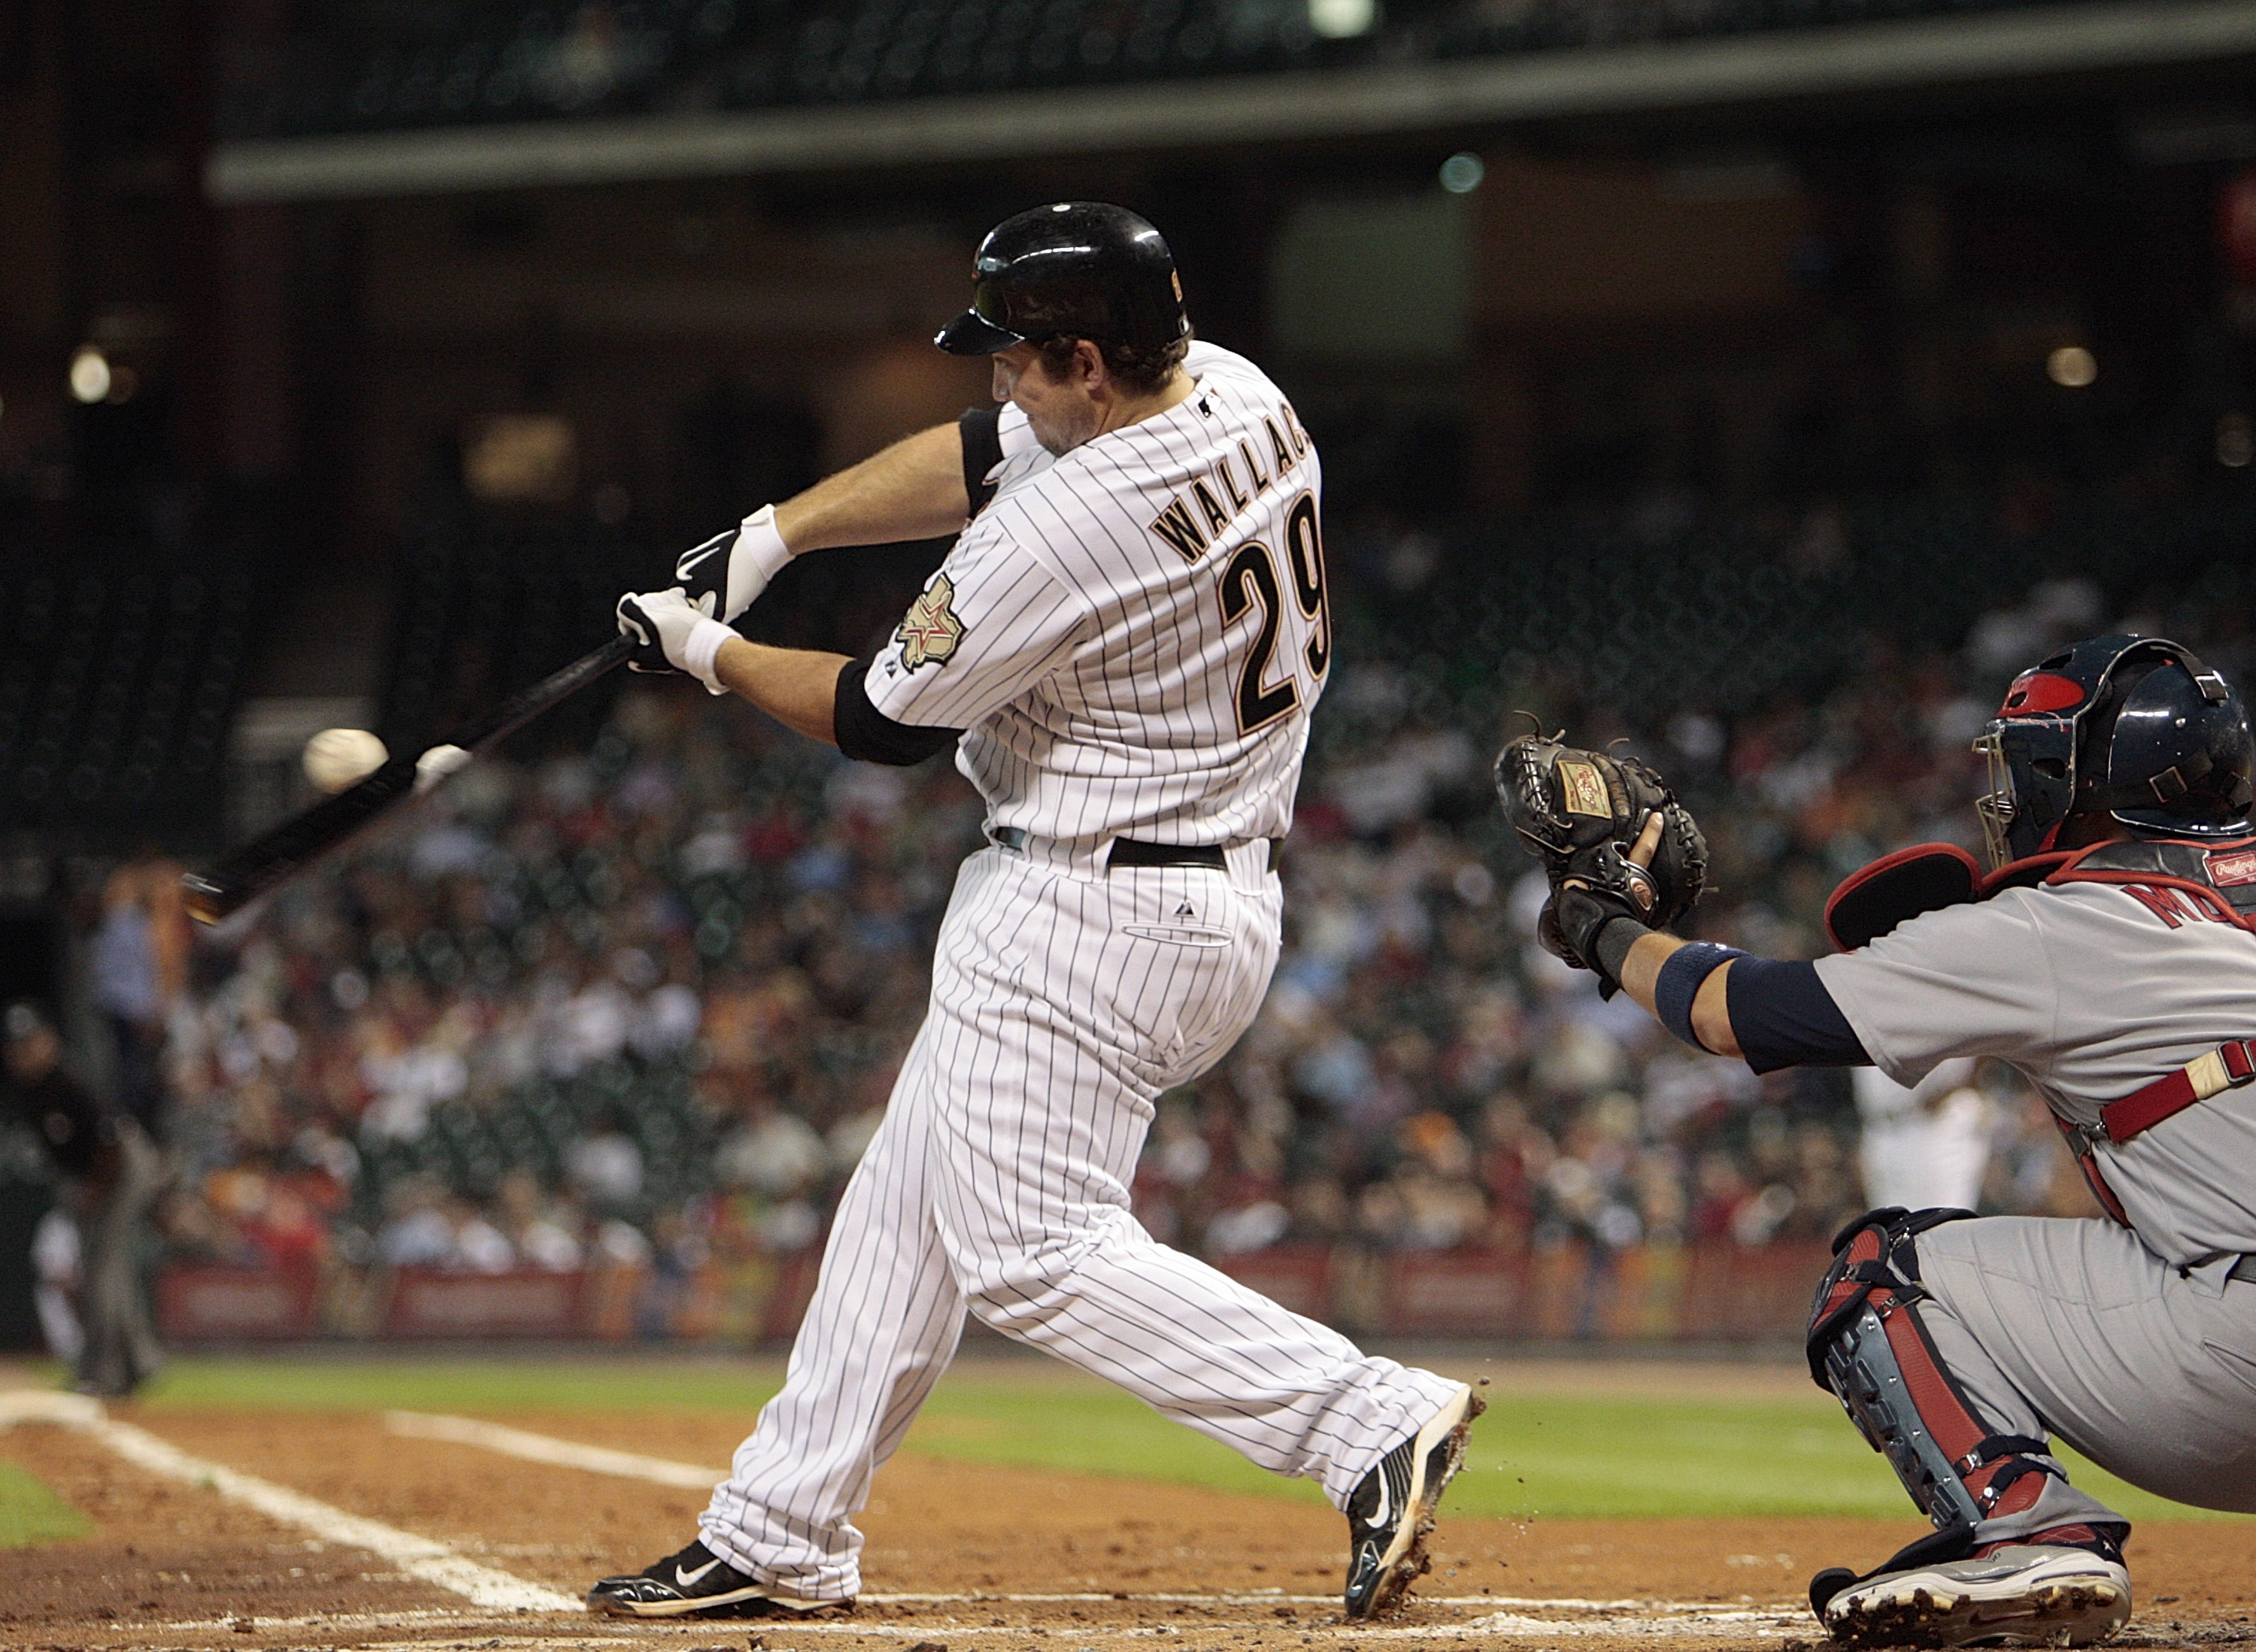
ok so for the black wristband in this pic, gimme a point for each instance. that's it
(1611, 944)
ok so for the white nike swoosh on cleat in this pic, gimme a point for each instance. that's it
(690, 1580)
(1382, 1516)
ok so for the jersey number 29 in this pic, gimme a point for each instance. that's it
(1249, 581)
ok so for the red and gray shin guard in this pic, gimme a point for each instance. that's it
(1869, 1348)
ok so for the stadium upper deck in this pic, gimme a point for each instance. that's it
(373, 98)
(365, 67)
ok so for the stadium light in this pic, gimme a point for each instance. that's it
(1461, 172)
(2072, 366)
(1342, 19)
(89, 375)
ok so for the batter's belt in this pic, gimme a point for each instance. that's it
(1132, 851)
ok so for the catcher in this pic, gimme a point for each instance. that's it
(2107, 953)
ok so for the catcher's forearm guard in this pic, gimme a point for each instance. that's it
(1580, 813)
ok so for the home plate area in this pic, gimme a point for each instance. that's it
(366, 1529)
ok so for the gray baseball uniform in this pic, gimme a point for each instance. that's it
(2129, 1341)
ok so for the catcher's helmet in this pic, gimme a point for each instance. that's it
(2134, 727)
(1077, 269)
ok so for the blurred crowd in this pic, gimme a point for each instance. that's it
(640, 1005)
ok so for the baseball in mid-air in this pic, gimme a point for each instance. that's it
(338, 758)
(437, 764)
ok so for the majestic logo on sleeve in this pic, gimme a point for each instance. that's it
(930, 631)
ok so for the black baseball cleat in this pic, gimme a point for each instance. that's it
(696, 1583)
(1393, 1510)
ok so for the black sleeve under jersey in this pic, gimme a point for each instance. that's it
(982, 451)
(1783, 1017)
(869, 736)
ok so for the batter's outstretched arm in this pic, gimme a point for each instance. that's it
(820, 696)
(913, 490)
(919, 488)
(797, 686)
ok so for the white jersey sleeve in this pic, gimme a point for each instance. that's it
(1967, 980)
(1014, 432)
(991, 624)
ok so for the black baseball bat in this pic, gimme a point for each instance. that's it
(275, 857)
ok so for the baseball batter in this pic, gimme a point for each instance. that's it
(2108, 954)
(1124, 648)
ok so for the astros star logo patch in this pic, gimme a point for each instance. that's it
(930, 631)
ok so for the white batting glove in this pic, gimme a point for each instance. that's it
(726, 574)
(673, 636)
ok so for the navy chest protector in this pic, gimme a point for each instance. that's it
(2178, 881)
(2219, 879)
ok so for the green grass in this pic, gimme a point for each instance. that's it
(1562, 1455)
(1541, 1453)
(31, 1514)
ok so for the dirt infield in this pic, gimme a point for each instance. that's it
(957, 1555)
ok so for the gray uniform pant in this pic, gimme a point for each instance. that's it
(121, 1351)
(2076, 1330)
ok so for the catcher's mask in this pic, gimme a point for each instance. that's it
(2137, 728)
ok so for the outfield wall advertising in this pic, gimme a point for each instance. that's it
(1703, 1293)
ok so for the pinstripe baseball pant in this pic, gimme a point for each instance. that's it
(1064, 1001)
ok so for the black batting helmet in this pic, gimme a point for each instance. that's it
(2137, 728)
(1077, 269)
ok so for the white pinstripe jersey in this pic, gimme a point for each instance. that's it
(1132, 635)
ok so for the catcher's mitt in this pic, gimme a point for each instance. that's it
(1580, 813)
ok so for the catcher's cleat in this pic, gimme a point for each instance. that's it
(1393, 1510)
(2037, 1591)
(696, 1583)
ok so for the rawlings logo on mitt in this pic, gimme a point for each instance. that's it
(1581, 813)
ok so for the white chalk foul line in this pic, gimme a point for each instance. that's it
(546, 1447)
(1504, 1629)
(1624, 1617)
(542, 1448)
(1278, 1597)
(1498, 1624)
(323, 1620)
(420, 1558)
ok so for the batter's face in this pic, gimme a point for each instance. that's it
(1064, 412)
